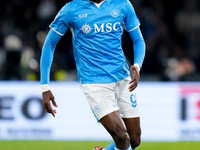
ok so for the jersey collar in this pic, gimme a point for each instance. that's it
(103, 5)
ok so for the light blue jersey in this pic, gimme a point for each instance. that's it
(97, 34)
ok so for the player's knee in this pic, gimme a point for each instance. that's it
(135, 142)
(123, 137)
(120, 135)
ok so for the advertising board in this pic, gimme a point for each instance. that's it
(169, 112)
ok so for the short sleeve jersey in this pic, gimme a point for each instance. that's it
(97, 34)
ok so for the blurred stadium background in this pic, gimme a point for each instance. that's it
(168, 94)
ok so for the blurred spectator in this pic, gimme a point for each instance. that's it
(171, 30)
(46, 11)
(187, 19)
(188, 24)
(178, 70)
(11, 67)
(29, 64)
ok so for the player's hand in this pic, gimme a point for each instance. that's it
(46, 98)
(135, 79)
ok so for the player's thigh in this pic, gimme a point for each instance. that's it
(101, 98)
(133, 129)
(113, 123)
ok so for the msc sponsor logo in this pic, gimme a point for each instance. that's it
(104, 27)
(86, 28)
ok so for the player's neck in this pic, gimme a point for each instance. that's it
(97, 1)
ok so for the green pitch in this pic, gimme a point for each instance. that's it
(88, 145)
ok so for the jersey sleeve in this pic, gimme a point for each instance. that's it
(47, 55)
(139, 46)
(131, 20)
(62, 20)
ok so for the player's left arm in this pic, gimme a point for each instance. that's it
(139, 53)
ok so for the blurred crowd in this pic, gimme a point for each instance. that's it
(171, 29)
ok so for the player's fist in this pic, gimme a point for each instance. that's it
(46, 98)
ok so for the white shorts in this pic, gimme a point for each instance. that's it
(105, 98)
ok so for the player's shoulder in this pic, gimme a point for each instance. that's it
(72, 5)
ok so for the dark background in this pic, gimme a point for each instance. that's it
(171, 29)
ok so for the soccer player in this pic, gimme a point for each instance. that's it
(97, 27)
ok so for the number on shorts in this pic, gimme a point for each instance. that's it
(133, 100)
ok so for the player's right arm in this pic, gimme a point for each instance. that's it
(58, 28)
(45, 65)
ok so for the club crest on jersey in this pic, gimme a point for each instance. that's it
(97, 109)
(86, 28)
(115, 13)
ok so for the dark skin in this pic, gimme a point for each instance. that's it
(48, 96)
(124, 131)
(135, 79)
